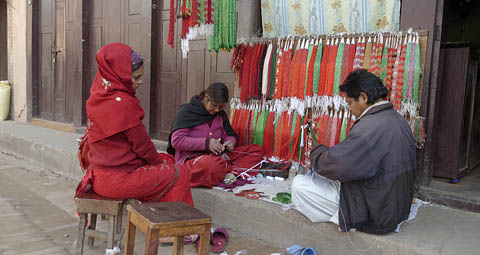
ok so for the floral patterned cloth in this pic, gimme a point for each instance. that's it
(281, 18)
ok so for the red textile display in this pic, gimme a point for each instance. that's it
(309, 89)
(322, 80)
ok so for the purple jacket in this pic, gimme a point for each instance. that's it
(189, 142)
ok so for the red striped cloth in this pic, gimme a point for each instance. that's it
(401, 71)
(269, 134)
(323, 70)
(309, 90)
(345, 61)
(279, 74)
(388, 79)
(331, 70)
(351, 56)
(373, 57)
(294, 75)
(359, 55)
(287, 73)
(378, 61)
(300, 88)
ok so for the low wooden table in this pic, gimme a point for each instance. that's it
(167, 219)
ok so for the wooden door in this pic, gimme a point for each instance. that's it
(124, 21)
(52, 89)
(177, 79)
(454, 64)
(168, 90)
(46, 43)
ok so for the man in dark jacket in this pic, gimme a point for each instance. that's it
(375, 165)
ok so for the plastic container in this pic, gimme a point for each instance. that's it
(5, 91)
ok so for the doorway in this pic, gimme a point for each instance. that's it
(51, 90)
(456, 170)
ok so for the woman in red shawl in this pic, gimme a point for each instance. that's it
(124, 162)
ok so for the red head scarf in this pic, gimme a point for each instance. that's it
(112, 106)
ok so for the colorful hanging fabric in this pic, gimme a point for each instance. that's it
(379, 55)
(266, 70)
(351, 56)
(171, 24)
(277, 93)
(373, 57)
(359, 54)
(343, 129)
(417, 72)
(338, 68)
(406, 81)
(299, 91)
(288, 58)
(269, 135)
(384, 64)
(294, 74)
(316, 68)
(330, 78)
(312, 54)
(411, 72)
(390, 65)
(401, 70)
(346, 54)
(224, 25)
(368, 54)
(273, 68)
(396, 68)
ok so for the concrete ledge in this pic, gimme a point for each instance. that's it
(268, 222)
(50, 149)
(436, 230)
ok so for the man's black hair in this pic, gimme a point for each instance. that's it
(364, 81)
(217, 91)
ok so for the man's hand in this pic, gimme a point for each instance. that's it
(228, 145)
(215, 146)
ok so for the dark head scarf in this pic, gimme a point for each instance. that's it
(112, 106)
(137, 60)
(194, 114)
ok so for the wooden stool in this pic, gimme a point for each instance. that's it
(167, 219)
(93, 204)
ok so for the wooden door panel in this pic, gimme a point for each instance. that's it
(220, 71)
(195, 80)
(74, 55)
(168, 88)
(59, 62)
(45, 66)
(45, 90)
(96, 39)
(137, 34)
(450, 119)
(114, 15)
(135, 7)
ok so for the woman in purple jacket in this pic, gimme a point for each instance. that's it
(203, 140)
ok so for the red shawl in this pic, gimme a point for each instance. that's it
(112, 106)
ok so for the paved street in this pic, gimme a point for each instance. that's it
(37, 215)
